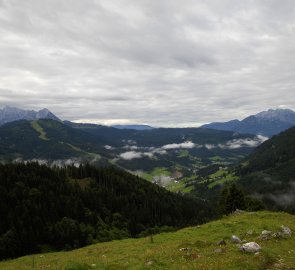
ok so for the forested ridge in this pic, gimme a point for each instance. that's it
(269, 172)
(272, 153)
(44, 208)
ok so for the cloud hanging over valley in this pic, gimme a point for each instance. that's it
(184, 145)
(238, 143)
(136, 152)
(132, 155)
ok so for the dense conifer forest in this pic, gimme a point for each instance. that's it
(268, 173)
(46, 208)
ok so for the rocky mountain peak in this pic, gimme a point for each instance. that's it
(284, 115)
(10, 114)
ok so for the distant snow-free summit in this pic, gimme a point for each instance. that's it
(10, 114)
(266, 123)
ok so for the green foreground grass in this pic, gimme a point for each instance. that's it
(164, 251)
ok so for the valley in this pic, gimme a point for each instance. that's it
(174, 158)
(118, 183)
(167, 156)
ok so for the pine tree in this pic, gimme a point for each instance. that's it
(232, 198)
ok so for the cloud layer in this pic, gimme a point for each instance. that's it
(162, 62)
(140, 152)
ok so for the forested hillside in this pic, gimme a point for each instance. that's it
(172, 154)
(62, 208)
(272, 153)
(269, 172)
(46, 139)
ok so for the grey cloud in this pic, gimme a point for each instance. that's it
(157, 62)
(283, 199)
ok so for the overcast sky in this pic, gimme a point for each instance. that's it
(159, 62)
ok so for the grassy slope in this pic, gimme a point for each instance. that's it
(164, 252)
(220, 177)
(93, 155)
(182, 185)
(35, 125)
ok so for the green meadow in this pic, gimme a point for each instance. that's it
(189, 248)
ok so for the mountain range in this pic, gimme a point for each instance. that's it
(71, 206)
(153, 153)
(10, 114)
(266, 123)
(131, 149)
(169, 157)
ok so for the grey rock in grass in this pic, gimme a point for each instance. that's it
(286, 231)
(235, 239)
(250, 247)
(265, 235)
(266, 232)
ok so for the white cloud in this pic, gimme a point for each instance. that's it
(159, 151)
(162, 180)
(210, 146)
(139, 152)
(262, 138)
(247, 142)
(148, 154)
(130, 155)
(133, 155)
(131, 147)
(184, 145)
